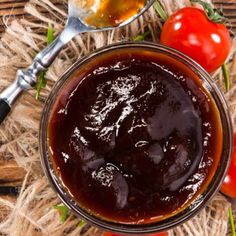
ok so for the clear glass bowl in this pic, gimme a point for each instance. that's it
(199, 202)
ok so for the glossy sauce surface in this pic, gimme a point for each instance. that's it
(109, 13)
(134, 138)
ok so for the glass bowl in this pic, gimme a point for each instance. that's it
(199, 202)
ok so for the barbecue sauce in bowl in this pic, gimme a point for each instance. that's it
(134, 136)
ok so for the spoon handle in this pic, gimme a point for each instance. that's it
(4, 110)
(48, 54)
(27, 78)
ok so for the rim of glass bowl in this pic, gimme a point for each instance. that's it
(199, 202)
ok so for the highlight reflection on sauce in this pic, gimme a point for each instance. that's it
(109, 13)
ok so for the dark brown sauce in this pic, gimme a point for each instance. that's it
(135, 137)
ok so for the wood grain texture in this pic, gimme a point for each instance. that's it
(12, 8)
(15, 8)
(229, 9)
(10, 174)
(4, 211)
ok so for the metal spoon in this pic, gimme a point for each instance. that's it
(77, 22)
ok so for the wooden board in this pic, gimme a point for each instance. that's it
(15, 8)
(10, 174)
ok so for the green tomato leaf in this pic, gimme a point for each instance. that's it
(63, 211)
(213, 14)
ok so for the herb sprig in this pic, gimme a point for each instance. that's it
(231, 222)
(63, 212)
(42, 81)
(226, 77)
(142, 37)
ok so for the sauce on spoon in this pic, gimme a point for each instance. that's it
(108, 13)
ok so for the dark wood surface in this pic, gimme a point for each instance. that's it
(15, 8)
(10, 174)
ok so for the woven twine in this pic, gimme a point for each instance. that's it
(32, 213)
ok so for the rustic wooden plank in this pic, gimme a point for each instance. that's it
(224, 1)
(15, 10)
(11, 174)
(229, 9)
(9, 191)
(5, 211)
(12, 11)
(9, 5)
(6, 7)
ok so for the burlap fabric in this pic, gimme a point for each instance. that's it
(33, 213)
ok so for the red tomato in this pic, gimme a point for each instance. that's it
(190, 31)
(157, 234)
(109, 234)
(229, 185)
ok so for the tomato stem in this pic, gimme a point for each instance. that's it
(231, 221)
(226, 77)
(213, 14)
(159, 9)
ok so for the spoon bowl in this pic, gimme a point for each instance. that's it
(83, 16)
(105, 14)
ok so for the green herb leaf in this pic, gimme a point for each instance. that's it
(159, 9)
(231, 221)
(63, 211)
(142, 37)
(42, 81)
(81, 224)
(226, 77)
(213, 14)
(50, 35)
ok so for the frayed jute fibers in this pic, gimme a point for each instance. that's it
(32, 213)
